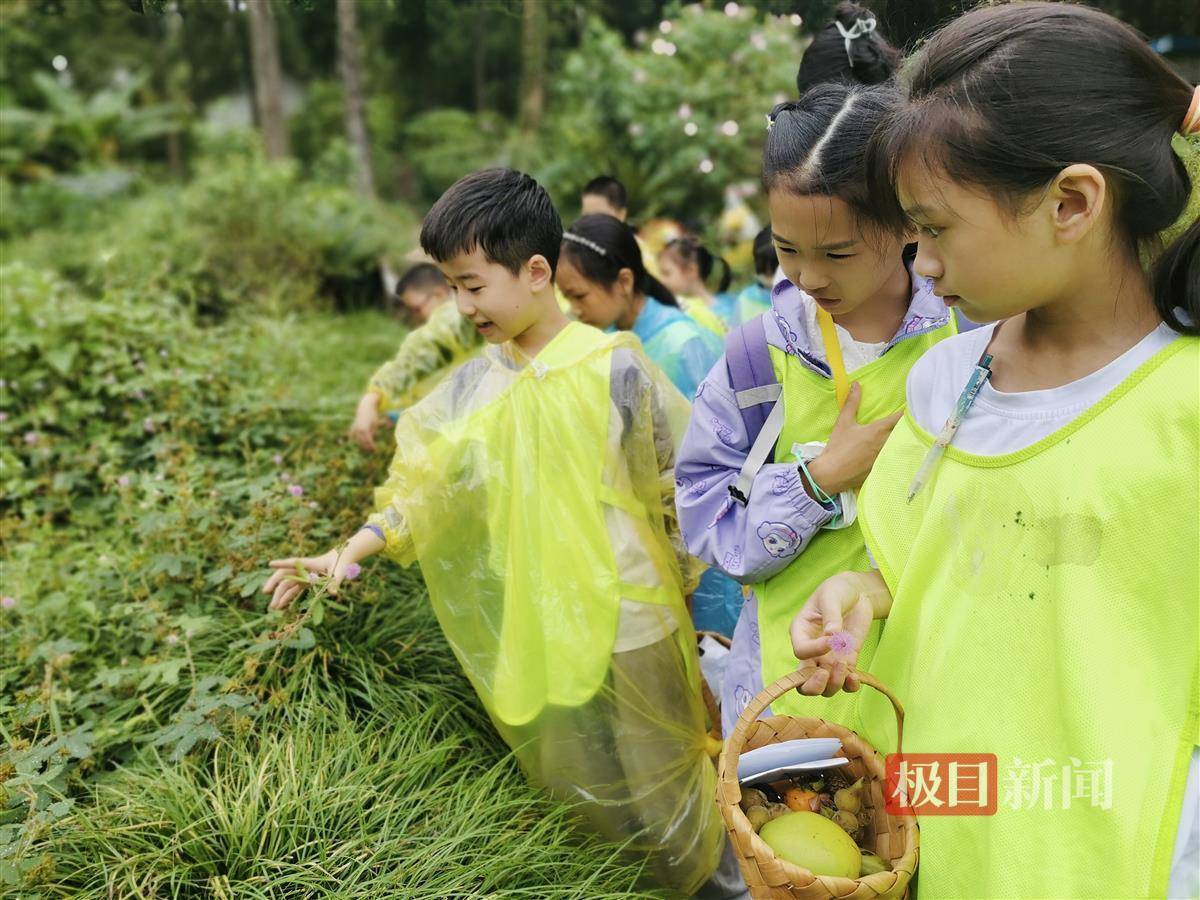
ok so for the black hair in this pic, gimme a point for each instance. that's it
(422, 277)
(620, 251)
(1177, 280)
(690, 250)
(818, 145)
(868, 58)
(1006, 97)
(766, 260)
(503, 212)
(609, 188)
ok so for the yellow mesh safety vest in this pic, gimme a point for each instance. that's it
(812, 407)
(1045, 610)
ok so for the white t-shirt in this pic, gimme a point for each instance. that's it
(1000, 423)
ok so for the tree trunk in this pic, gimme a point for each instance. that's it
(351, 67)
(479, 71)
(268, 77)
(533, 64)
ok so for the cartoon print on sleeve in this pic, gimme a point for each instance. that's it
(779, 539)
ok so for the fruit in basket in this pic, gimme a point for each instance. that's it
(810, 840)
(777, 809)
(758, 817)
(753, 797)
(849, 798)
(873, 865)
(847, 821)
(800, 800)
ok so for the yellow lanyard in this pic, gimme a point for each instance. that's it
(833, 353)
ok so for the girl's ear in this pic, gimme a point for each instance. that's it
(1077, 199)
(541, 275)
(625, 282)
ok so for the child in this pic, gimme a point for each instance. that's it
(605, 194)
(685, 266)
(600, 272)
(1039, 577)
(529, 486)
(849, 49)
(441, 340)
(850, 308)
(755, 299)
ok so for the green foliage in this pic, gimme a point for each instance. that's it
(244, 230)
(627, 112)
(445, 144)
(71, 131)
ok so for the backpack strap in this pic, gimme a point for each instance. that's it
(752, 377)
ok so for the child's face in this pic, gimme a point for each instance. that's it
(421, 303)
(678, 276)
(500, 304)
(980, 257)
(823, 251)
(593, 304)
(598, 203)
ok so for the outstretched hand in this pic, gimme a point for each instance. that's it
(292, 576)
(831, 627)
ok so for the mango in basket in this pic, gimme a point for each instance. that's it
(810, 840)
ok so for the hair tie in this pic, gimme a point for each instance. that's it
(1191, 119)
(579, 239)
(861, 28)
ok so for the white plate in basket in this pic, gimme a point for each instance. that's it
(787, 755)
(787, 771)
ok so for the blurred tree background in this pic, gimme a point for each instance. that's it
(400, 97)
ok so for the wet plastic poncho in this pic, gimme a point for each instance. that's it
(532, 494)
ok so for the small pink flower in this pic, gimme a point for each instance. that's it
(842, 642)
(352, 571)
(3, 417)
(277, 459)
(285, 477)
(31, 437)
(140, 366)
(123, 481)
(313, 504)
(8, 602)
(172, 639)
(312, 577)
(139, 394)
(148, 425)
(295, 490)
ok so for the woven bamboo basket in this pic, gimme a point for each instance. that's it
(893, 838)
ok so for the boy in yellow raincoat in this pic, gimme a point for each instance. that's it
(534, 488)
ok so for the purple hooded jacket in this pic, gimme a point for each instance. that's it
(753, 542)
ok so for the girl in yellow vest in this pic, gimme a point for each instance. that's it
(1035, 517)
(686, 266)
(776, 509)
(529, 486)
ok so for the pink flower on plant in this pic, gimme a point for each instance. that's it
(8, 602)
(842, 642)
(277, 459)
(312, 577)
(295, 490)
(172, 639)
(313, 504)
(148, 425)
(3, 417)
(123, 481)
(353, 571)
(285, 477)
(31, 437)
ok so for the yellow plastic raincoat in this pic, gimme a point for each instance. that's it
(535, 496)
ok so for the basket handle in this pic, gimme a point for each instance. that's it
(771, 693)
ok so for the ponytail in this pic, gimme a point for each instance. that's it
(659, 291)
(1177, 282)
(689, 250)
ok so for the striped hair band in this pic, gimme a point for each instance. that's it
(579, 239)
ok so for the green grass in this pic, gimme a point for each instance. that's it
(204, 754)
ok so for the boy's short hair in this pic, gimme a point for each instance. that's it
(503, 212)
(609, 188)
(422, 277)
